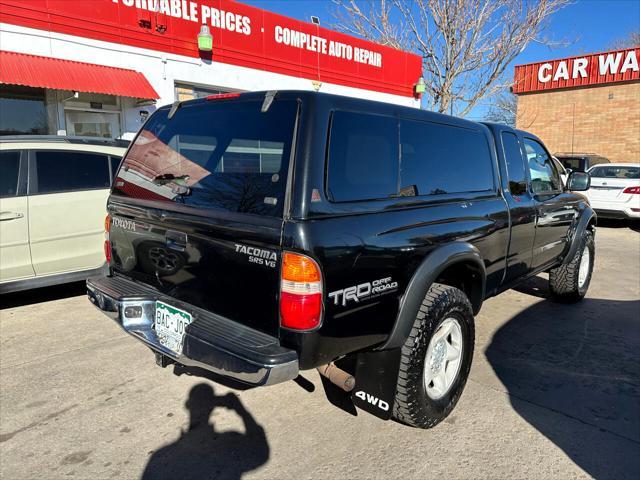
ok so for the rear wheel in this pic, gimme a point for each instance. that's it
(436, 358)
(569, 282)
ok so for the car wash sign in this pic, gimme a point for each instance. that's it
(586, 70)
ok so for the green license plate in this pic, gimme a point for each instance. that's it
(170, 325)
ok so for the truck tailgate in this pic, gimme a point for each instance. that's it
(224, 262)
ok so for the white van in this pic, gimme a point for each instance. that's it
(53, 193)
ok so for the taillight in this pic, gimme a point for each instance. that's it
(632, 190)
(107, 243)
(300, 292)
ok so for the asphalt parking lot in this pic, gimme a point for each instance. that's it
(554, 392)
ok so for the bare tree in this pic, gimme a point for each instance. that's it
(630, 41)
(503, 109)
(466, 45)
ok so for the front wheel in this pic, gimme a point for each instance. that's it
(435, 358)
(569, 282)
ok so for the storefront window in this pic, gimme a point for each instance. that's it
(26, 111)
(91, 114)
(185, 91)
(92, 124)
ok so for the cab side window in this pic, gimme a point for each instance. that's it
(363, 157)
(10, 168)
(439, 159)
(515, 164)
(544, 176)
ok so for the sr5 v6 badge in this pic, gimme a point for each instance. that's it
(258, 255)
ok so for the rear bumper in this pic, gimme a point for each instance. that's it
(620, 210)
(211, 342)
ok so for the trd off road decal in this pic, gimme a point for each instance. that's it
(364, 291)
(258, 255)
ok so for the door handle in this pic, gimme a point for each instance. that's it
(4, 216)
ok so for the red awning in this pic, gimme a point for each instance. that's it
(46, 72)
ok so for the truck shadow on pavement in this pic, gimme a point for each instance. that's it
(203, 453)
(573, 372)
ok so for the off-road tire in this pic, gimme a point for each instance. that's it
(563, 280)
(412, 405)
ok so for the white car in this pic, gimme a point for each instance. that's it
(615, 190)
(53, 193)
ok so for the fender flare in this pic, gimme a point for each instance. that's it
(581, 225)
(433, 265)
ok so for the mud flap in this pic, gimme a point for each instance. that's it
(376, 380)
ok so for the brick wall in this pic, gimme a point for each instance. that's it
(603, 120)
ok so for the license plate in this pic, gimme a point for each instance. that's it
(170, 325)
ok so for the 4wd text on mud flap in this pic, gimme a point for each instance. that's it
(375, 401)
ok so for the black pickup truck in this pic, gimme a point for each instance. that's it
(257, 235)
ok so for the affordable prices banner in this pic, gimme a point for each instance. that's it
(242, 35)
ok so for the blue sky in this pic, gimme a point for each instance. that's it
(589, 25)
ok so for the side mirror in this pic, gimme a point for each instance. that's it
(578, 181)
(568, 170)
